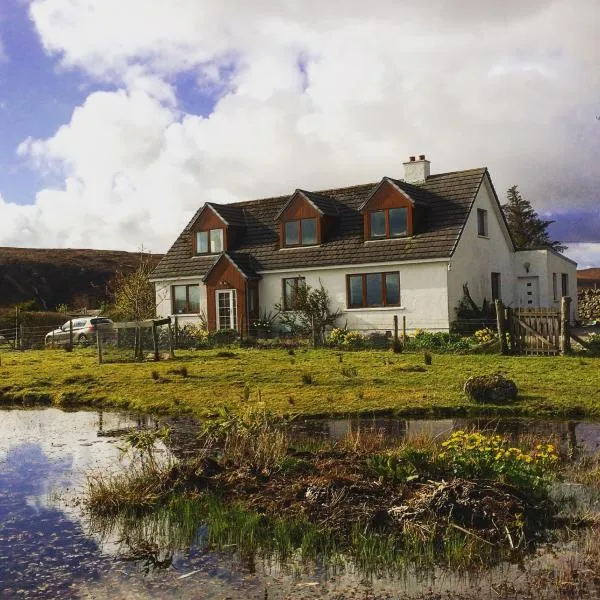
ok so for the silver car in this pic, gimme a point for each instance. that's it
(84, 331)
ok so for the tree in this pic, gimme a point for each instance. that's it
(311, 314)
(133, 294)
(527, 230)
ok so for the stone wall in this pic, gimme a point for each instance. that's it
(589, 305)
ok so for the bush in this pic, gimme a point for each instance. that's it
(191, 336)
(493, 389)
(439, 341)
(224, 337)
(483, 336)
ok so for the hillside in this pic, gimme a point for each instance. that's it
(49, 278)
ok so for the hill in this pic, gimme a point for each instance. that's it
(49, 278)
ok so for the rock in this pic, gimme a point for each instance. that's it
(491, 389)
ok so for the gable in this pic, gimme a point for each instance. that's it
(387, 195)
(208, 219)
(299, 207)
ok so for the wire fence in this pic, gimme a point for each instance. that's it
(135, 341)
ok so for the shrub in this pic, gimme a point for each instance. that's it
(440, 341)
(191, 336)
(224, 337)
(483, 336)
(494, 389)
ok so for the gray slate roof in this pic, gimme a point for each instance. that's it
(447, 196)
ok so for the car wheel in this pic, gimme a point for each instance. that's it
(82, 340)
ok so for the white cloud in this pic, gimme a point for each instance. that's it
(585, 255)
(313, 99)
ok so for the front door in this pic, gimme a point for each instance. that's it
(226, 309)
(529, 292)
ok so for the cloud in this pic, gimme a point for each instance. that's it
(585, 255)
(306, 97)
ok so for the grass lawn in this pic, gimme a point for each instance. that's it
(342, 383)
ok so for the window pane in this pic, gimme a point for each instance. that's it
(292, 233)
(179, 299)
(392, 288)
(356, 290)
(202, 242)
(216, 241)
(309, 232)
(374, 292)
(194, 295)
(397, 221)
(481, 221)
(378, 224)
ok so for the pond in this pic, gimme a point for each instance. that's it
(49, 547)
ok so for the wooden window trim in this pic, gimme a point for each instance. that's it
(386, 213)
(364, 304)
(224, 239)
(187, 298)
(299, 221)
(283, 284)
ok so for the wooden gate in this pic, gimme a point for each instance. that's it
(534, 330)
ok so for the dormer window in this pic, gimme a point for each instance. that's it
(209, 241)
(301, 232)
(389, 212)
(388, 223)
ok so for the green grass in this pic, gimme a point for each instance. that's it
(381, 382)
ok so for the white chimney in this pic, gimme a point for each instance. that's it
(416, 171)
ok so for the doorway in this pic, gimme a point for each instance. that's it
(226, 309)
(529, 291)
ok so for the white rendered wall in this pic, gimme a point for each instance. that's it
(477, 257)
(542, 264)
(164, 302)
(423, 295)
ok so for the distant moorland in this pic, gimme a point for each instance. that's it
(49, 278)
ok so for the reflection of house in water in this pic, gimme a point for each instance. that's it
(570, 435)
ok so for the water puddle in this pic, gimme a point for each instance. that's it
(50, 549)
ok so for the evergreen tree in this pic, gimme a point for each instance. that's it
(526, 228)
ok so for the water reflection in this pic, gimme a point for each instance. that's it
(48, 549)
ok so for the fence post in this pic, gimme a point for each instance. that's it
(176, 325)
(314, 333)
(501, 326)
(155, 340)
(21, 336)
(171, 339)
(99, 342)
(71, 333)
(396, 341)
(510, 328)
(565, 324)
(404, 329)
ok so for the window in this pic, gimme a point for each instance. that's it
(186, 299)
(496, 287)
(482, 222)
(555, 287)
(209, 242)
(373, 289)
(291, 288)
(302, 232)
(253, 303)
(388, 223)
(564, 280)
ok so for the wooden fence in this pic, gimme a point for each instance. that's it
(543, 331)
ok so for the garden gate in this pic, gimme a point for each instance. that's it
(534, 330)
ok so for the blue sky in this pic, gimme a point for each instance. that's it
(119, 118)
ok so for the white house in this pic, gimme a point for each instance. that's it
(401, 247)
